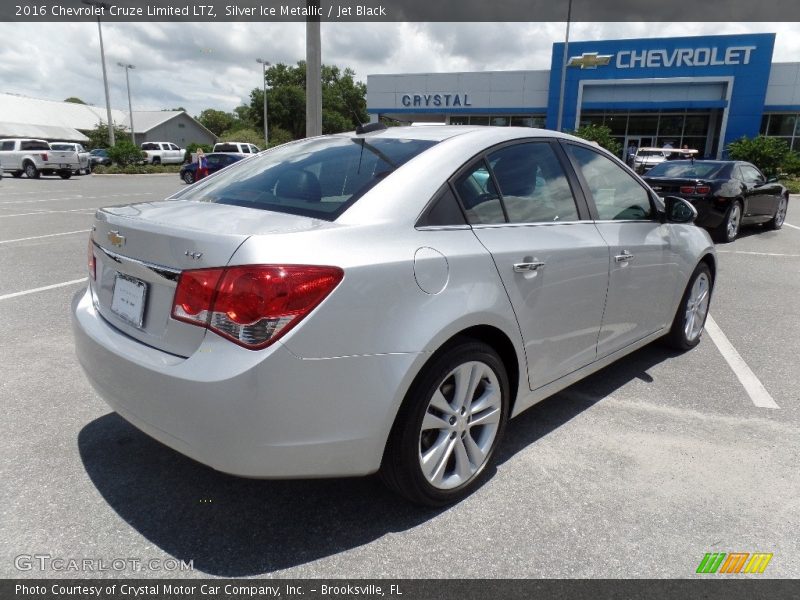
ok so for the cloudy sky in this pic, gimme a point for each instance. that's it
(213, 65)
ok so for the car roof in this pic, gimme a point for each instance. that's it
(439, 133)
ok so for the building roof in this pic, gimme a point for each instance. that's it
(21, 116)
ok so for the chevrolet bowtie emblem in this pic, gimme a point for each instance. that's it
(116, 239)
(589, 60)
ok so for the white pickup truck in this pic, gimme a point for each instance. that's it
(83, 155)
(163, 153)
(35, 158)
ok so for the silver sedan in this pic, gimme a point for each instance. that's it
(382, 301)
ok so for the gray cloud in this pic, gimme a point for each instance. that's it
(212, 65)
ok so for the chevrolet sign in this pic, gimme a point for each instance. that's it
(589, 60)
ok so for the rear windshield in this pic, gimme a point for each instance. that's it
(687, 170)
(33, 145)
(60, 147)
(319, 178)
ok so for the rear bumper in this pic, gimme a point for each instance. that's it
(254, 414)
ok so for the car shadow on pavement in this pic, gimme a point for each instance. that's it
(553, 412)
(229, 526)
(232, 527)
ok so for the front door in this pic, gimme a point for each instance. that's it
(553, 264)
(643, 268)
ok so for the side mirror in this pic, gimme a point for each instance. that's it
(678, 210)
(772, 180)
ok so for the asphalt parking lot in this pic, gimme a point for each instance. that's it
(637, 471)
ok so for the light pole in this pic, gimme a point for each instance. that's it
(559, 125)
(264, 64)
(130, 106)
(103, 6)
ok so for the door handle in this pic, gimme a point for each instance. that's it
(624, 257)
(527, 267)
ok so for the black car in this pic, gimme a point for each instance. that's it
(215, 162)
(726, 194)
(99, 156)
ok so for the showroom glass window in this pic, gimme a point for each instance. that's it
(617, 195)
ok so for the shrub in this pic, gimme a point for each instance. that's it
(192, 148)
(136, 169)
(600, 134)
(767, 153)
(251, 136)
(125, 153)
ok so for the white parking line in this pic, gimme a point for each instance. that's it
(38, 237)
(49, 212)
(755, 253)
(752, 385)
(42, 289)
(792, 226)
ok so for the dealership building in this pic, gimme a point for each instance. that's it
(704, 92)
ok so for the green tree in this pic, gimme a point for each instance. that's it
(601, 134)
(767, 153)
(125, 153)
(250, 136)
(74, 100)
(216, 121)
(343, 100)
(98, 137)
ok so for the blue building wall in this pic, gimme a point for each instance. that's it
(745, 58)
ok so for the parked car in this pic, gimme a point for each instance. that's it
(215, 162)
(727, 194)
(236, 147)
(35, 158)
(646, 158)
(163, 153)
(382, 301)
(85, 165)
(100, 156)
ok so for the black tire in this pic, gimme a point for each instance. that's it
(727, 231)
(678, 337)
(17, 174)
(65, 174)
(188, 177)
(31, 172)
(401, 469)
(156, 160)
(776, 222)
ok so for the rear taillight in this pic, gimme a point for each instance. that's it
(252, 305)
(92, 261)
(693, 190)
(44, 156)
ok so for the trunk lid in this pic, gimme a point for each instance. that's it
(141, 249)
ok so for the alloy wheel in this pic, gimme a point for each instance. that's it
(460, 425)
(780, 214)
(734, 216)
(697, 307)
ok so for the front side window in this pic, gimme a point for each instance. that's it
(319, 177)
(617, 195)
(751, 175)
(533, 185)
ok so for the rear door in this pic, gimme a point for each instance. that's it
(643, 267)
(526, 208)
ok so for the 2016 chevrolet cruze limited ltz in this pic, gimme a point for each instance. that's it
(382, 301)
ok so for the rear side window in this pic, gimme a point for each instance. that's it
(479, 196)
(319, 177)
(149, 146)
(7, 146)
(617, 195)
(33, 145)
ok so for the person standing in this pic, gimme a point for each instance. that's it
(202, 165)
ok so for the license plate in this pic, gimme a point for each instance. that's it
(128, 299)
(63, 166)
